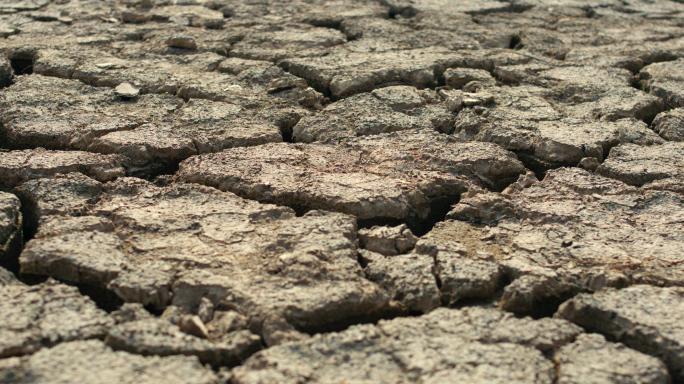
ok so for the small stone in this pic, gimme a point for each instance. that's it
(127, 90)
(184, 42)
(134, 17)
(388, 241)
(589, 163)
(173, 314)
(193, 325)
(226, 321)
(206, 310)
(458, 77)
(524, 181)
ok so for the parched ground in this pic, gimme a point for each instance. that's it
(343, 191)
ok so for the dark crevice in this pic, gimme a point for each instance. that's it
(12, 249)
(32, 279)
(539, 166)
(22, 61)
(331, 23)
(649, 115)
(473, 302)
(382, 221)
(545, 306)
(4, 139)
(31, 218)
(155, 169)
(372, 317)
(286, 132)
(300, 210)
(402, 13)
(439, 208)
(438, 280)
(648, 119)
(362, 262)
(22, 66)
(103, 298)
(516, 42)
(286, 126)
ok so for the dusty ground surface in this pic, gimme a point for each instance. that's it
(344, 191)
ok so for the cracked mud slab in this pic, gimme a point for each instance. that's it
(592, 358)
(567, 234)
(656, 167)
(47, 314)
(365, 121)
(391, 176)
(150, 131)
(92, 361)
(19, 166)
(643, 317)
(157, 245)
(558, 115)
(469, 345)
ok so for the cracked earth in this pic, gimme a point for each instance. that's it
(343, 191)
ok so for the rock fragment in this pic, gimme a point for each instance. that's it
(656, 167)
(46, 314)
(92, 361)
(183, 42)
(470, 345)
(670, 125)
(592, 359)
(159, 337)
(458, 77)
(409, 279)
(664, 80)
(126, 90)
(643, 317)
(17, 167)
(388, 241)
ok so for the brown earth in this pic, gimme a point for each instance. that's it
(344, 191)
